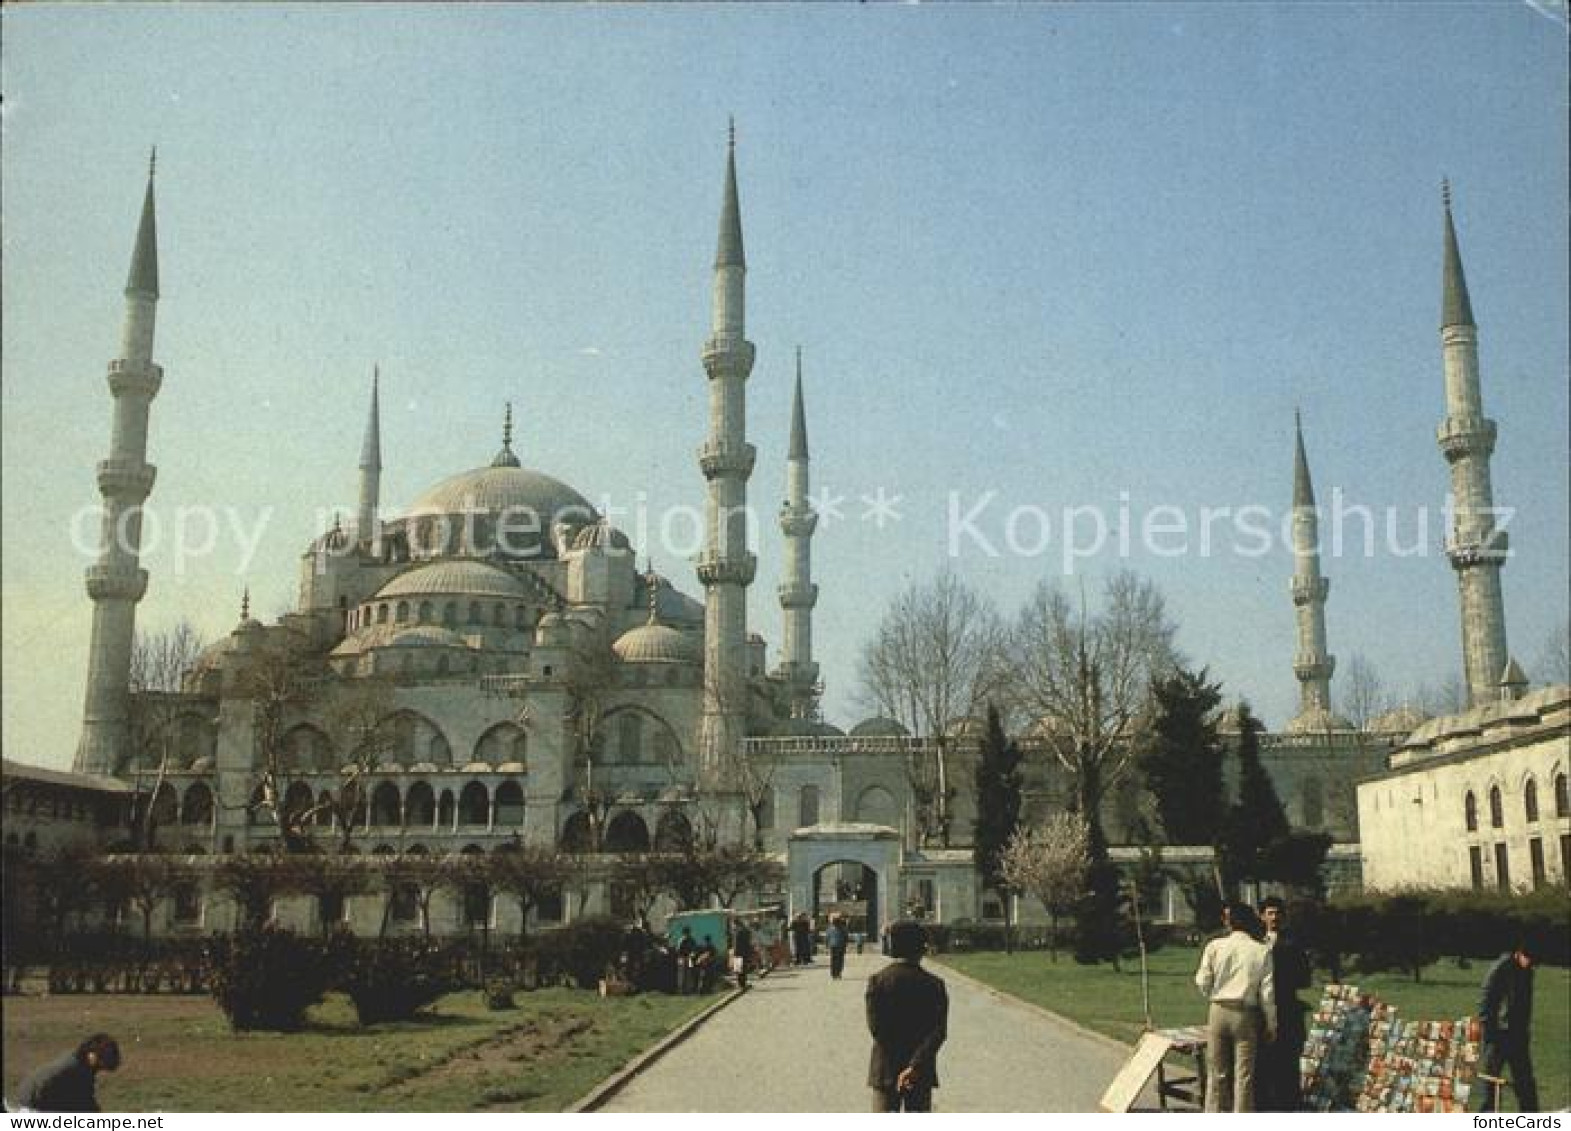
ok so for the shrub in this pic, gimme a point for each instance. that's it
(394, 979)
(498, 994)
(582, 951)
(266, 978)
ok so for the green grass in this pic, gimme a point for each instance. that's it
(180, 1054)
(1110, 1003)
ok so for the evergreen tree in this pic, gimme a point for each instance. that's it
(1182, 759)
(1256, 822)
(998, 783)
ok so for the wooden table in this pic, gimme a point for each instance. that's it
(1187, 1040)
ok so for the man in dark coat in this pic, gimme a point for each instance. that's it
(741, 953)
(1276, 1064)
(908, 1015)
(67, 1084)
(1506, 1009)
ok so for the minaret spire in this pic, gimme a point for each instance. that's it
(726, 568)
(798, 594)
(116, 582)
(1313, 665)
(371, 463)
(1467, 439)
(505, 457)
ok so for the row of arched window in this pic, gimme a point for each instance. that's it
(1530, 804)
(496, 615)
(627, 831)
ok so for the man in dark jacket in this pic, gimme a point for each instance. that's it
(1276, 1063)
(908, 1015)
(67, 1084)
(1506, 1009)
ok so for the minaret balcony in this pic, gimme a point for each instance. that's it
(1460, 436)
(798, 596)
(1309, 666)
(721, 460)
(129, 480)
(138, 378)
(1491, 547)
(726, 354)
(1310, 589)
(798, 522)
(110, 583)
(799, 675)
(716, 570)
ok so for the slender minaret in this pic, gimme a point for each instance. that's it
(116, 583)
(370, 466)
(726, 567)
(1312, 664)
(798, 594)
(1467, 438)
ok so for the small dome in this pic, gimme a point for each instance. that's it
(879, 727)
(807, 728)
(455, 578)
(1318, 720)
(656, 644)
(1403, 720)
(600, 536)
(965, 726)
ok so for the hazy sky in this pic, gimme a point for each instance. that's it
(1075, 256)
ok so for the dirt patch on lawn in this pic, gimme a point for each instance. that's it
(527, 1043)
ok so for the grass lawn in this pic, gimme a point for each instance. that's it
(180, 1054)
(1109, 1002)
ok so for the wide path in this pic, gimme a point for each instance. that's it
(798, 1042)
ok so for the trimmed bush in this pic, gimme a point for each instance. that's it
(267, 978)
(392, 980)
(581, 952)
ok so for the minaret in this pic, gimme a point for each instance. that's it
(1467, 438)
(1312, 664)
(798, 594)
(370, 466)
(726, 567)
(116, 583)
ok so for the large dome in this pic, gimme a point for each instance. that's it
(457, 579)
(657, 644)
(528, 499)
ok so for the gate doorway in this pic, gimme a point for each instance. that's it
(848, 888)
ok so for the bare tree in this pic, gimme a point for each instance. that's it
(589, 678)
(252, 881)
(1448, 697)
(1050, 862)
(1554, 660)
(1091, 677)
(933, 660)
(528, 875)
(356, 718)
(143, 880)
(159, 662)
(1364, 693)
(282, 679)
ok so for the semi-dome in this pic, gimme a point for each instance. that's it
(879, 727)
(525, 496)
(460, 578)
(656, 644)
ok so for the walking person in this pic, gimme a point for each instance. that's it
(1506, 1009)
(741, 953)
(1235, 976)
(686, 953)
(70, 1082)
(837, 938)
(801, 939)
(1277, 1083)
(908, 1016)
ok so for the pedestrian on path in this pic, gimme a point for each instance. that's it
(908, 1016)
(1235, 976)
(1277, 1076)
(686, 953)
(741, 954)
(1506, 1009)
(836, 938)
(801, 940)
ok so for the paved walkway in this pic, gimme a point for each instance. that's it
(798, 1042)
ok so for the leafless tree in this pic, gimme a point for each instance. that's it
(933, 660)
(159, 662)
(143, 880)
(1554, 660)
(282, 679)
(253, 881)
(357, 719)
(1364, 693)
(589, 678)
(1448, 697)
(1050, 862)
(527, 875)
(1090, 678)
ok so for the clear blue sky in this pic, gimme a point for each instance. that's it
(1054, 252)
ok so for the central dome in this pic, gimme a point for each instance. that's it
(523, 493)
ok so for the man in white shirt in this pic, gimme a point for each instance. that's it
(1235, 976)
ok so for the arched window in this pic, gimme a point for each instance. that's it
(673, 832)
(474, 806)
(627, 833)
(1470, 811)
(1497, 809)
(198, 806)
(384, 805)
(298, 801)
(445, 810)
(575, 833)
(1562, 799)
(665, 749)
(381, 613)
(499, 615)
(1530, 800)
(438, 751)
(877, 806)
(1314, 803)
(509, 806)
(505, 742)
(420, 806)
(807, 806)
(474, 612)
(424, 615)
(166, 806)
(520, 618)
(402, 614)
(450, 614)
(629, 738)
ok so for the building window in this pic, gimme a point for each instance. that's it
(1565, 858)
(1497, 811)
(1470, 808)
(1475, 858)
(188, 904)
(807, 806)
(1535, 854)
(549, 909)
(1562, 801)
(1530, 801)
(406, 903)
(1502, 867)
